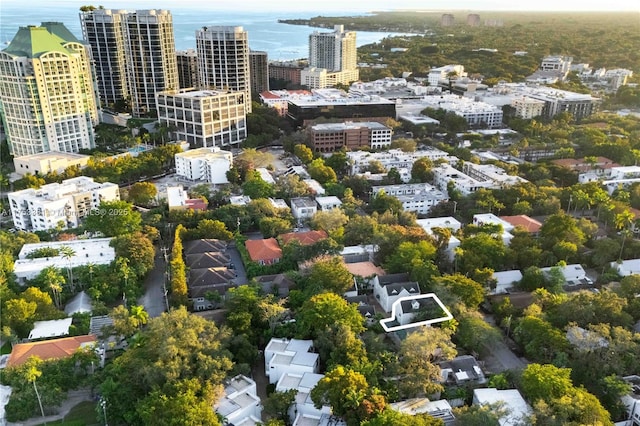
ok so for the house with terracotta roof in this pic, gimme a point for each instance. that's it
(532, 226)
(304, 238)
(49, 349)
(264, 252)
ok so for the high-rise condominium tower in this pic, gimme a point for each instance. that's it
(223, 60)
(47, 95)
(335, 51)
(102, 29)
(259, 71)
(142, 46)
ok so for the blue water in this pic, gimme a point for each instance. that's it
(280, 41)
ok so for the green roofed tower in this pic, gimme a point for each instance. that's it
(47, 94)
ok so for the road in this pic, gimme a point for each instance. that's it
(153, 298)
(241, 275)
(501, 358)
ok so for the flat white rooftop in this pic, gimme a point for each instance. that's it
(53, 328)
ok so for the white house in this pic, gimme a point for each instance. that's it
(506, 280)
(52, 328)
(240, 402)
(573, 274)
(627, 267)
(303, 383)
(632, 402)
(266, 175)
(96, 251)
(389, 288)
(443, 222)
(517, 407)
(283, 356)
(303, 208)
(328, 203)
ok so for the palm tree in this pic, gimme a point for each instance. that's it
(68, 253)
(31, 374)
(54, 281)
(138, 315)
(623, 221)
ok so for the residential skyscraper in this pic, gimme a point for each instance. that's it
(102, 29)
(48, 100)
(258, 71)
(334, 51)
(187, 68)
(223, 60)
(142, 44)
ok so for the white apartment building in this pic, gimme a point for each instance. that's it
(491, 219)
(477, 114)
(282, 356)
(47, 97)
(489, 172)
(96, 251)
(223, 60)
(442, 73)
(527, 107)
(204, 118)
(55, 204)
(622, 177)
(418, 197)
(204, 165)
(445, 173)
(240, 404)
(328, 203)
(304, 384)
(393, 158)
(443, 222)
(320, 78)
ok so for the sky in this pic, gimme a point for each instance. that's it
(335, 6)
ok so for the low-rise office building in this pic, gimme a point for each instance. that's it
(204, 118)
(47, 162)
(330, 137)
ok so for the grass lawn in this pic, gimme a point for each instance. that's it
(83, 414)
(6, 348)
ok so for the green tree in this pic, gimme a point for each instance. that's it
(418, 373)
(138, 249)
(214, 229)
(304, 153)
(422, 170)
(381, 202)
(470, 292)
(329, 274)
(390, 417)
(274, 226)
(19, 314)
(142, 193)
(475, 334)
(409, 254)
(113, 218)
(480, 415)
(278, 403)
(329, 221)
(177, 346)
(324, 310)
(255, 187)
(321, 172)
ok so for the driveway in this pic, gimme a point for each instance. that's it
(153, 299)
(241, 274)
(501, 357)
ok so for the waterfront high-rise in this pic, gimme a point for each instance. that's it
(102, 29)
(259, 71)
(187, 68)
(48, 100)
(140, 47)
(334, 51)
(223, 60)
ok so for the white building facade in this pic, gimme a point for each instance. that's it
(418, 197)
(56, 204)
(204, 165)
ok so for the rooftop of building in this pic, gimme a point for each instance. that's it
(347, 125)
(53, 191)
(48, 349)
(364, 269)
(33, 41)
(337, 97)
(97, 251)
(191, 93)
(206, 153)
(266, 249)
(529, 224)
(304, 238)
(53, 155)
(302, 202)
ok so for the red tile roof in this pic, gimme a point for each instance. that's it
(264, 250)
(304, 238)
(524, 221)
(196, 204)
(48, 349)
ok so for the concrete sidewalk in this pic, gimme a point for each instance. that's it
(74, 398)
